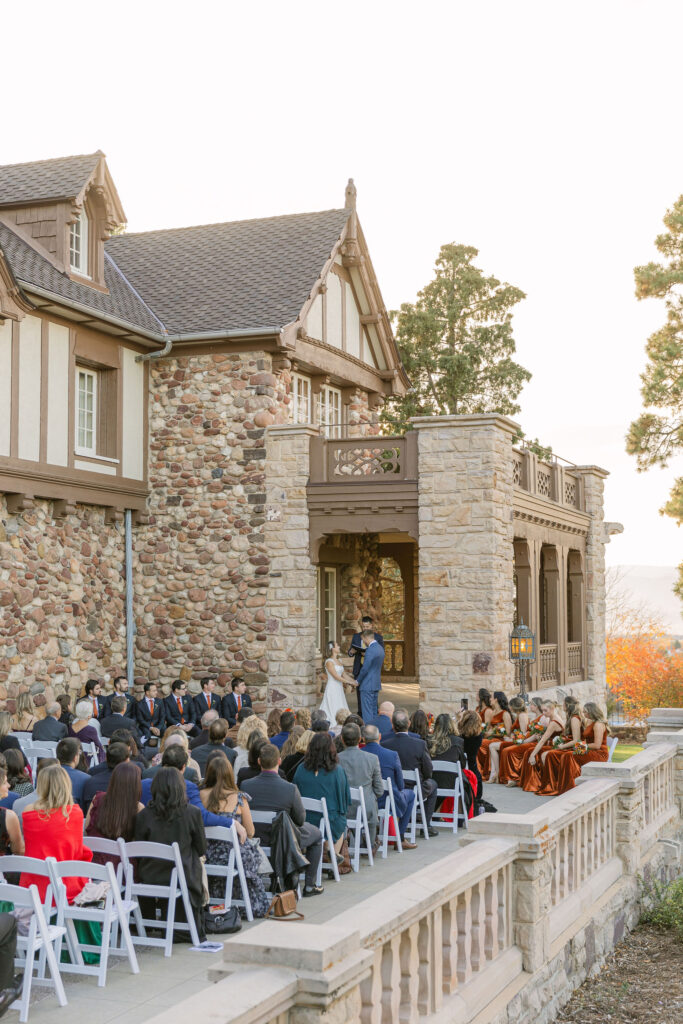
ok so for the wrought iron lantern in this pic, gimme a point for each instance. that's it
(522, 649)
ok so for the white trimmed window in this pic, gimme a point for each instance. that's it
(330, 418)
(86, 412)
(301, 393)
(78, 245)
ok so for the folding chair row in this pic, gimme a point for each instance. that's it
(388, 814)
(233, 869)
(412, 777)
(444, 819)
(43, 940)
(320, 807)
(358, 829)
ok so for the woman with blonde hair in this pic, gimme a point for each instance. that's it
(303, 718)
(251, 724)
(295, 756)
(53, 827)
(513, 754)
(530, 774)
(8, 742)
(24, 717)
(340, 717)
(563, 765)
(82, 730)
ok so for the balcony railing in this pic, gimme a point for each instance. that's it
(550, 481)
(575, 661)
(383, 459)
(547, 654)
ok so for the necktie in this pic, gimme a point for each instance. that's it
(151, 709)
(180, 709)
(94, 707)
(239, 702)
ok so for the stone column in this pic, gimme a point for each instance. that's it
(593, 486)
(466, 557)
(291, 604)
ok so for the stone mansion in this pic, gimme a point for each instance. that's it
(193, 482)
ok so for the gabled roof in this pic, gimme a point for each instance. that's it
(44, 180)
(243, 275)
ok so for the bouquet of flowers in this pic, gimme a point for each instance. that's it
(581, 747)
(536, 729)
(498, 732)
(558, 741)
(517, 736)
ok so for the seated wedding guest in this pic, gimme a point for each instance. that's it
(302, 717)
(179, 709)
(252, 768)
(49, 729)
(218, 735)
(568, 739)
(234, 701)
(339, 719)
(500, 719)
(206, 699)
(150, 716)
(116, 718)
(81, 729)
(413, 755)
(11, 839)
(286, 725)
(126, 736)
(25, 801)
(249, 725)
(121, 689)
(484, 706)
(17, 773)
(24, 718)
(96, 699)
(273, 723)
(112, 815)
(269, 792)
(446, 745)
(174, 737)
(563, 766)
(419, 725)
(530, 771)
(521, 720)
(7, 742)
(53, 827)
(64, 701)
(354, 720)
(383, 718)
(117, 753)
(10, 984)
(234, 729)
(471, 730)
(220, 795)
(289, 756)
(319, 721)
(363, 772)
(207, 718)
(176, 757)
(69, 754)
(320, 775)
(390, 767)
(169, 818)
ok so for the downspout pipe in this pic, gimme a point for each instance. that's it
(130, 621)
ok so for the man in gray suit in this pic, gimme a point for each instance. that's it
(49, 729)
(362, 769)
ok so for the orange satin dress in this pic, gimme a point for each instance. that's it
(563, 767)
(483, 757)
(512, 758)
(503, 775)
(530, 774)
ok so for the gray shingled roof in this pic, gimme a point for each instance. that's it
(122, 302)
(41, 180)
(226, 277)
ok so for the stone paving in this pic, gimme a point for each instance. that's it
(132, 999)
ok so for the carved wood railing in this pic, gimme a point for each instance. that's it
(547, 655)
(379, 459)
(575, 661)
(549, 481)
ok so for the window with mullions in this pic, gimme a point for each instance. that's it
(86, 412)
(330, 411)
(301, 395)
(78, 245)
(326, 607)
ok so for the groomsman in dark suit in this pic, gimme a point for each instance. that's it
(357, 651)
(119, 718)
(121, 690)
(235, 701)
(150, 713)
(93, 695)
(207, 700)
(179, 709)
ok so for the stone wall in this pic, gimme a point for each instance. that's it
(361, 589)
(594, 487)
(62, 605)
(361, 420)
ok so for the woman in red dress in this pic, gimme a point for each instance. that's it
(570, 736)
(53, 827)
(520, 723)
(530, 774)
(563, 767)
(501, 717)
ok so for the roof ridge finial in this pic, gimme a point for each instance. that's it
(350, 196)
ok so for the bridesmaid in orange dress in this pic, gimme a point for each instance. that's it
(484, 706)
(571, 735)
(512, 755)
(520, 723)
(501, 717)
(564, 767)
(530, 775)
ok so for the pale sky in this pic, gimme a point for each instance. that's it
(546, 135)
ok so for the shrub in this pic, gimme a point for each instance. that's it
(663, 905)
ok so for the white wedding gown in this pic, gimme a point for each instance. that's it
(334, 698)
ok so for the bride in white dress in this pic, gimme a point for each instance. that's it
(334, 698)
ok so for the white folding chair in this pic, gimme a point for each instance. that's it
(90, 751)
(263, 818)
(412, 775)
(105, 741)
(177, 887)
(114, 915)
(387, 814)
(25, 738)
(612, 746)
(13, 863)
(35, 753)
(457, 792)
(234, 867)
(320, 807)
(42, 939)
(358, 826)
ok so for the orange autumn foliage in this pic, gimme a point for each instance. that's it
(643, 674)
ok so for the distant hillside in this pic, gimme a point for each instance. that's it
(654, 584)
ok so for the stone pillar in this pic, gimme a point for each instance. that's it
(593, 485)
(466, 557)
(291, 605)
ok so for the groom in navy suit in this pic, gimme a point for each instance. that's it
(370, 675)
(357, 651)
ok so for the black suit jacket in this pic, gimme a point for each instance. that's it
(172, 714)
(229, 706)
(201, 754)
(357, 653)
(111, 723)
(200, 705)
(130, 704)
(49, 730)
(269, 792)
(412, 753)
(145, 720)
(102, 706)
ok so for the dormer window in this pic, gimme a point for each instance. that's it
(78, 245)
